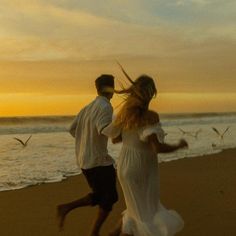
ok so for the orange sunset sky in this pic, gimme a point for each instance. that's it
(51, 51)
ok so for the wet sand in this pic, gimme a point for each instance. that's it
(201, 189)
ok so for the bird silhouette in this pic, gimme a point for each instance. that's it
(22, 142)
(193, 134)
(221, 136)
(184, 132)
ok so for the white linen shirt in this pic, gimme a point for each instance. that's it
(90, 143)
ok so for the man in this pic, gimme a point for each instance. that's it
(92, 155)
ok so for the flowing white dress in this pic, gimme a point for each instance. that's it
(137, 170)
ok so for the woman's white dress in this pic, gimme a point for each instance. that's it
(137, 170)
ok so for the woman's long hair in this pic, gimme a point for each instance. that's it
(134, 112)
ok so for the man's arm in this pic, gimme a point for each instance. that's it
(104, 119)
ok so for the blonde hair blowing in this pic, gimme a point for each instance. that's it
(134, 112)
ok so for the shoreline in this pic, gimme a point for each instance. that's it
(200, 189)
(69, 176)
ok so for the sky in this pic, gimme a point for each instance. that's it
(51, 51)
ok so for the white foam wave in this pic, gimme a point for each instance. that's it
(49, 157)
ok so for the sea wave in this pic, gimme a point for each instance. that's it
(50, 156)
(52, 124)
(22, 120)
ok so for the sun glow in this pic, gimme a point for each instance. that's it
(23, 104)
(52, 51)
(38, 104)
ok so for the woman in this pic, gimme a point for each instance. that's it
(143, 138)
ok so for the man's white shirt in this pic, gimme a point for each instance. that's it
(90, 143)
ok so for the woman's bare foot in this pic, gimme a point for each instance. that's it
(62, 211)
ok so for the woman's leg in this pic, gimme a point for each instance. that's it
(117, 230)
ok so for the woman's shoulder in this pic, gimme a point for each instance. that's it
(152, 127)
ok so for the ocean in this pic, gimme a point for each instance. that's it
(49, 155)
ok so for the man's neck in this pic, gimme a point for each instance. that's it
(108, 98)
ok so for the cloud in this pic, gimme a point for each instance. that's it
(196, 2)
(69, 29)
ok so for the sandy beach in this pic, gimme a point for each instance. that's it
(200, 189)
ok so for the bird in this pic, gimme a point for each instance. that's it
(184, 132)
(22, 142)
(193, 134)
(221, 136)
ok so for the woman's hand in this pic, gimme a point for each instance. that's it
(183, 143)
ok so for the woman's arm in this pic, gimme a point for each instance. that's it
(164, 147)
(114, 132)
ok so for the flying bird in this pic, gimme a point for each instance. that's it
(22, 142)
(184, 132)
(219, 134)
(195, 135)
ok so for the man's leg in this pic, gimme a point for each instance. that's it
(101, 217)
(64, 209)
(106, 189)
(88, 200)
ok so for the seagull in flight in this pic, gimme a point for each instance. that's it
(219, 134)
(183, 132)
(22, 142)
(193, 134)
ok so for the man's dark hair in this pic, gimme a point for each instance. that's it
(105, 80)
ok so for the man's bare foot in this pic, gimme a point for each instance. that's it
(62, 211)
